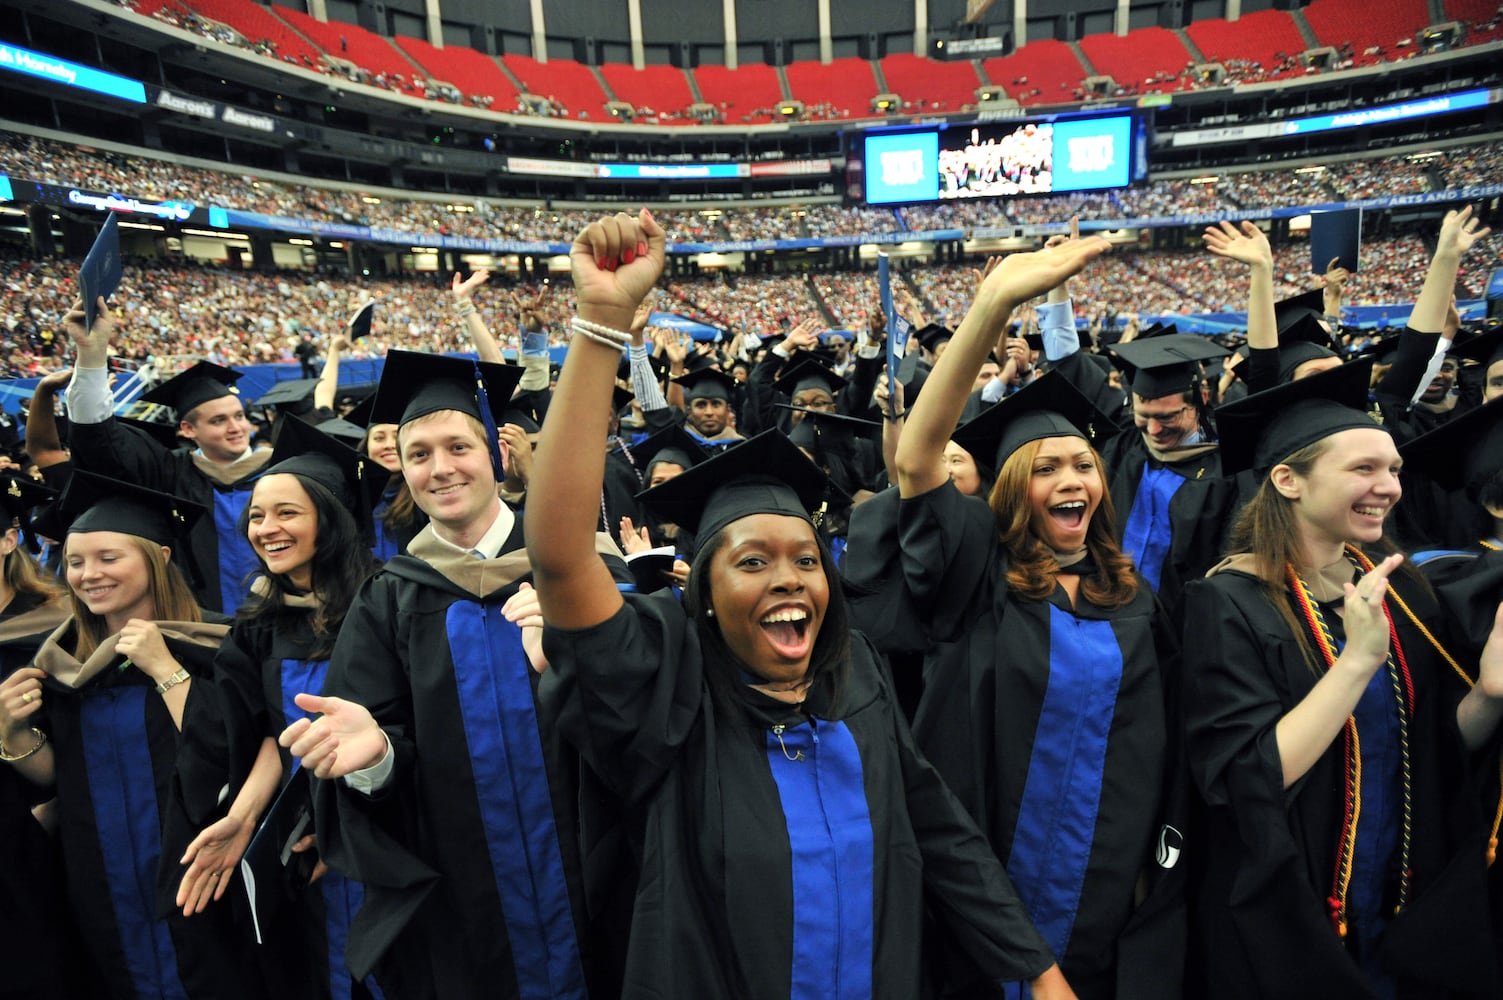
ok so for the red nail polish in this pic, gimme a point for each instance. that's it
(610, 265)
(600, 263)
(642, 249)
(627, 255)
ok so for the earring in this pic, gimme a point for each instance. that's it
(710, 613)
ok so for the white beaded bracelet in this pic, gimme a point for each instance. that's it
(601, 333)
(597, 338)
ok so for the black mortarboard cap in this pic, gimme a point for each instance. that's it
(1166, 364)
(194, 387)
(706, 383)
(1289, 311)
(671, 444)
(1157, 330)
(302, 450)
(932, 335)
(1303, 339)
(292, 395)
(339, 429)
(816, 423)
(414, 384)
(1486, 348)
(808, 372)
(359, 324)
(1049, 406)
(1261, 430)
(657, 362)
(360, 413)
(18, 494)
(766, 474)
(97, 503)
(1461, 454)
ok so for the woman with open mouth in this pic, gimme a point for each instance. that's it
(1331, 733)
(788, 834)
(1049, 672)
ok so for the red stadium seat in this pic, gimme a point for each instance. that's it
(661, 88)
(941, 86)
(363, 48)
(472, 72)
(1366, 25)
(748, 95)
(256, 23)
(1043, 72)
(566, 81)
(846, 84)
(1265, 38)
(1148, 60)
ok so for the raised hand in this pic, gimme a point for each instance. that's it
(1244, 242)
(1459, 232)
(615, 262)
(342, 740)
(633, 538)
(1362, 613)
(20, 699)
(1022, 276)
(93, 344)
(463, 290)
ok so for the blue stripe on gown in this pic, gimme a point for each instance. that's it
(237, 560)
(342, 896)
(494, 684)
(1057, 814)
(122, 786)
(830, 837)
(1148, 534)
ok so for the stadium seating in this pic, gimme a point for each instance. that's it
(1148, 60)
(1367, 26)
(748, 95)
(931, 85)
(1043, 72)
(1265, 38)
(566, 81)
(363, 48)
(661, 88)
(471, 71)
(845, 85)
(255, 23)
(1477, 14)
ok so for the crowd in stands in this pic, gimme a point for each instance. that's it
(96, 170)
(239, 317)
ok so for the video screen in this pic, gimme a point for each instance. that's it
(988, 163)
(1000, 160)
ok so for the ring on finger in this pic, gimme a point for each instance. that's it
(27, 697)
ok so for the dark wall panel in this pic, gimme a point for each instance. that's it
(763, 20)
(666, 22)
(595, 19)
(858, 17)
(945, 15)
(511, 16)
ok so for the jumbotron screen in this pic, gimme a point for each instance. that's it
(990, 160)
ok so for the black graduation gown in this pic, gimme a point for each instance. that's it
(469, 855)
(221, 562)
(782, 853)
(1029, 705)
(1261, 909)
(37, 961)
(1183, 507)
(122, 830)
(260, 666)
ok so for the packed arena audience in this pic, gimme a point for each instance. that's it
(91, 169)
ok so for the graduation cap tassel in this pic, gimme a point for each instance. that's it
(488, 421)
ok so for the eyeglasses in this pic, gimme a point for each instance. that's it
(1163, 419)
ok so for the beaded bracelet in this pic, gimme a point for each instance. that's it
(600, 333)
(465, 309)
(11, 758)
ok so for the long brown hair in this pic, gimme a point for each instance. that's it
(24, 576)
(1032, 570)
(171, 599)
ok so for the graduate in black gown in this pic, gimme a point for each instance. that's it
(789, 834)
(217, 474)
(1329, 730)
(31, 607)
(315, 557)
(1050, 675)
(442, 789)
(115, 680)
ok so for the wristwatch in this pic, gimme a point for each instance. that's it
(173, 681)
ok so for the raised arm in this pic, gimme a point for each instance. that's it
(1249, 245)
(1458, 233)
(615, 262)
(469, 314)
(44, 445)
(1018, 278)
(326, 392)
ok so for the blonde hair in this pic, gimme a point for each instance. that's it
(1032, 570)
(24, 576)
(472, 422)
(172, 599)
